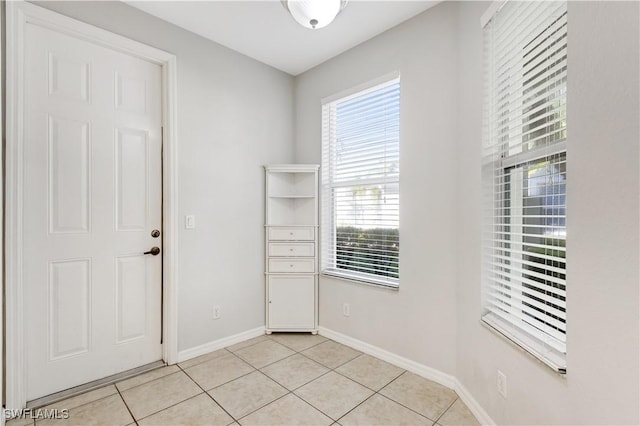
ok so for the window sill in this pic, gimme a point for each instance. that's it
(355, 280)
(525, 343)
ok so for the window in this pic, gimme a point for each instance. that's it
(360, 185)
(524, 177)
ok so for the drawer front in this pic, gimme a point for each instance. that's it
(292, 234)
(292, 249)
(291, 265)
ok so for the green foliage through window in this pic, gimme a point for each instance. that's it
(372, 251)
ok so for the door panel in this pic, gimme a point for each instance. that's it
(291, 301)
(69, 175)
(69, 307)
(92, 196)
(68, 78)
(131, 297)
(132, 167)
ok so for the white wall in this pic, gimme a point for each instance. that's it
(601, 385)
(434, 318)
(418, 321)
(234, 115)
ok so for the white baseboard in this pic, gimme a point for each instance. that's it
(477, 410)
(405, 363)
(219, 344)
(415, 367)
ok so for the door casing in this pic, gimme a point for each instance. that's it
(18, 14)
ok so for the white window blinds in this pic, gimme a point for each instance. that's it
(524, 177)
(360, 185)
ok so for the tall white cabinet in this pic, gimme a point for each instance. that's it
(291, 238)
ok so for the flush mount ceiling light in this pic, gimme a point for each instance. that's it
(314, 14)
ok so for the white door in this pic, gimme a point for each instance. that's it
(92, 197)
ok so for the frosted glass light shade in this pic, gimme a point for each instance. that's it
(314, 14)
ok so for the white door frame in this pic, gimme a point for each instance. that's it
(18, 14)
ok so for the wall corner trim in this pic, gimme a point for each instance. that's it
(414, 367)
(196, 351)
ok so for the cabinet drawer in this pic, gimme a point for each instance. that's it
(291, 233)
(292, 249)
(291, 265)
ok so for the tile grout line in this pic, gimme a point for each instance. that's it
(207, 393)
(447, 409)
(269, 403)
(326, 366)
(315, 408)
(384, 396)
(165, 408)
(288, 391)
(304, 349)
(295, 352)
(357, 405)
(389, 398)
(366, 387)
(262, 406)
(150, 381)
(362, 384)
(125, 404)
(329, 370)
(177, 364)
(86, 403)
(244, 347)
(404, 406)
(184, 370)
(266, 365)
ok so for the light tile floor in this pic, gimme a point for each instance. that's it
(281, 379)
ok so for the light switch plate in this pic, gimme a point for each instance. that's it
(190, 221)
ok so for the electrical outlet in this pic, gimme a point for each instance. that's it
(216, 312)
(502, 384)
(346, 309)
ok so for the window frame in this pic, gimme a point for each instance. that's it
(328, 185)
(501, 159)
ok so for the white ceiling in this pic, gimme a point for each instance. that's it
(265, 31)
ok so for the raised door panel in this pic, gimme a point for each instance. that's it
(131, 298)
(69, 78)
(131, 94)
(291, 301)
(132, 194)
(69, 179)
(69, 308)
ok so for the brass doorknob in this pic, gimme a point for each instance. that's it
(154, 251)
